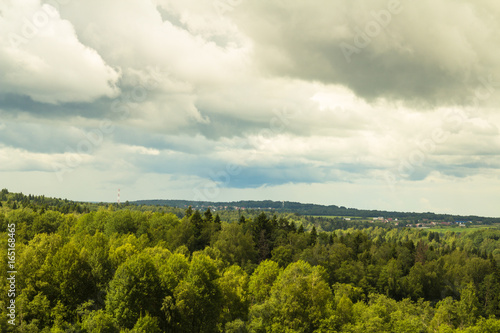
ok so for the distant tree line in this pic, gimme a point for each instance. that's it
(318, 210)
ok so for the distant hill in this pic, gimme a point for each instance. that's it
(313, 209)
(66, 206)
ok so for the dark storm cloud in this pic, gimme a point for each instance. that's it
(424, 51)
(15, 104)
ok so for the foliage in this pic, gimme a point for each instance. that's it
(93, 268)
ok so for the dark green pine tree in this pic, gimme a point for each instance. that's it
(313, 236)
(189, 211)
(207, 216)
(197, 223)
(331, 238)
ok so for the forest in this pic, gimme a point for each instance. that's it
(84, 267)
(316, 210)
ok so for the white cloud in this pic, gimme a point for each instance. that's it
(15, 159)
(41, 57)
(141, 150)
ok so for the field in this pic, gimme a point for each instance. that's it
(462, 229)
(340, 217)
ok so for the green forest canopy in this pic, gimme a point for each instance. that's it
(95, 268)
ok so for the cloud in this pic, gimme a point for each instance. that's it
(417, 51)
(41, 57)
(33, 137)
(15, 160)
(261, 93)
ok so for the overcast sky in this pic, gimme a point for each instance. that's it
(363, 103)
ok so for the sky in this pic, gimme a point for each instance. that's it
(370, 104)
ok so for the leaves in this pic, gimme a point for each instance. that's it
(135, 289)
(117, 270)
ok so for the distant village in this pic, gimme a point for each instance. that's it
(424, 224)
